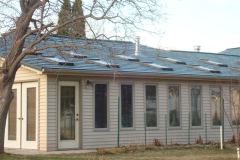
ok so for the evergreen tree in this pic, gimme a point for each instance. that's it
(63, 16)
(78, 28)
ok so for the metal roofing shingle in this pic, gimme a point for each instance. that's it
(106, 47)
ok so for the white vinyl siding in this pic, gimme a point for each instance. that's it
(92, 139)
(26, 75)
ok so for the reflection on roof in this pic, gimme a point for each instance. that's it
(170, 60)
(212, 62)
(157, 66)
(204, 68)
(102, 63)
(56, 60)
(73, 54)
(124, 57)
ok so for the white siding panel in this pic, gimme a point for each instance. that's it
(95, 139)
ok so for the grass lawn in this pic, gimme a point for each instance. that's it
(143, 152)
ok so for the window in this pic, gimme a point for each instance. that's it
(196, 106)
(67, 112)
(235, 106)
(12, 121)
(101, 103)
(151, 106)
(174, 106)
(216, 105)
(31, 114)
(127, 105)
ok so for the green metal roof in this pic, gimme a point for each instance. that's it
(148, 54)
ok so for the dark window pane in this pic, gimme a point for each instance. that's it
(196, 106)
(67, 113)
(151, 106)
(216, 106)
(12, 121)
(127, 105)
(31, 114)
(235, 106)
(173, 105)
(101, 106)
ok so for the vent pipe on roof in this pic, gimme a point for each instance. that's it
(197, 48)
(137, 52)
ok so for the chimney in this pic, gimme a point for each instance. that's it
(197, 48)
(137, 52)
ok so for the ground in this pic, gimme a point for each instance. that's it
(186, 152)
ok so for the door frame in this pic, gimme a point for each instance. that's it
(67, 144)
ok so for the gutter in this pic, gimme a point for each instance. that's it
(26, 65)
(118, 74)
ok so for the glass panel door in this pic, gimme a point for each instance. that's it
(29, 115)
(12, 118)
(68, 115)
(12, 130)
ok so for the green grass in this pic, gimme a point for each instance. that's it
(142, 152)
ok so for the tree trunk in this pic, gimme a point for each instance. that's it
(6, 96)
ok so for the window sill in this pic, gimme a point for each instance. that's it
(127, 129)
(196, 127)
(152, 128)
(101, 130)
(216, 127)
(235, 126)
(174, 128)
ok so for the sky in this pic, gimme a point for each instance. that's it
(212, 24)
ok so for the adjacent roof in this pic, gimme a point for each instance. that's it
(105, 49)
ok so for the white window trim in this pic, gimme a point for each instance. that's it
(133, 103)
(145, 106)
(190, 107)
(101, 129)
(180, 107)
(210, 99)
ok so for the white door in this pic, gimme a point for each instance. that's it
(22, 121)
(12, 130)
(68, 114)
(30, 115)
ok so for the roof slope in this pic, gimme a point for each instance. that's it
(104, 48)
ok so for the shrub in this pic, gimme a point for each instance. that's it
(199, 140)
(156, 142)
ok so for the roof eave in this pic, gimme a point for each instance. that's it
(134, 75)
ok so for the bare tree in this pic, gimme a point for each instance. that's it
(232, 113)
(111, 19)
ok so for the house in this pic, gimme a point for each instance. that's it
(68, 99)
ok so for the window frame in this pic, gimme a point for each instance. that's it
(231, 108)
(190, 107)
(180, 107)
(157, 107)
(133, 104)
(101, 129)
(210, 100)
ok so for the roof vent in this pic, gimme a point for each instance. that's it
(197, 48)
(137, 52)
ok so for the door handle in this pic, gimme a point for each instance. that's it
(76, 119)
(20, 118)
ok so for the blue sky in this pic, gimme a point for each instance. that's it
(212, 24)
